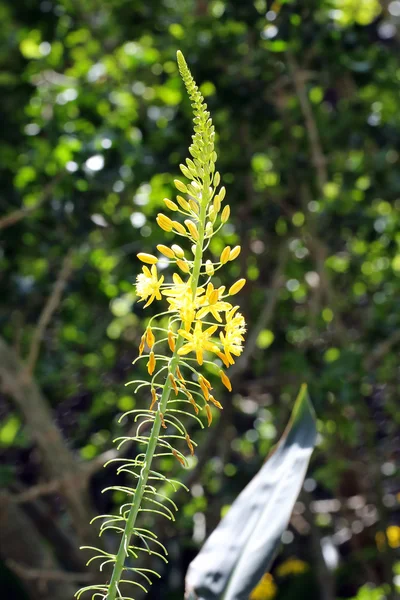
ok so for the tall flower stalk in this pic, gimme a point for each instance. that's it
(202, 324)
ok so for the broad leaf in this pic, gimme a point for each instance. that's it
(241, 549)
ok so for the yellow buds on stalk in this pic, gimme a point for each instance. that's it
(209, 324)
(196, 326)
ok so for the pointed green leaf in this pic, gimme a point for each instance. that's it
(243, 546)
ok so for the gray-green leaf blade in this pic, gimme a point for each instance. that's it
(243, 546)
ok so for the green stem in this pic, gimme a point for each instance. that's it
(155, 431)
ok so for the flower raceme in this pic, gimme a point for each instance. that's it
(197, 325)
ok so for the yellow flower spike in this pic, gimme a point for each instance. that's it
(178, 227)
(225, 213)
(225, 380)
(151, 365)
(199, 199)
(166, 251)
(171, 341)
(173, 383)
(164, 222)
(236, 287)
(183, 203)
(225, 255)
(209, 414)
(171, 205)
(192, 229)
(148, 285)
(215, 402)
(180, 186)
(189, 443)
(141, 345)
(178, 250)
(183, 266)
(209, 268)
(234, 253)
(150, 339)
(147, 258)
(153, 398)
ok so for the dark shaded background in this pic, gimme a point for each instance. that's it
(305, 100)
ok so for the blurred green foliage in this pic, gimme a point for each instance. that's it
(305, 99)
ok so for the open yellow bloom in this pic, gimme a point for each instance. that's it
(148, 284)
(180, 298)
(198, 341)
(232, 338)
(211, 303)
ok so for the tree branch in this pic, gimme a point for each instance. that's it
(25, 572)
(57, 457)
(18, 215)
(48, 310)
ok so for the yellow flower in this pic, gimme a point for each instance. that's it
(233, 336)
(148, 284)
(292, 566)
(180, 298)
(211, 304)
(198, 341)
(393, 535)
(265, 590)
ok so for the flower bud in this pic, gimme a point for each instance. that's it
(171, 341)
(225, 214)
(185, 171)
(234, 253)
(178, 250)
(147, 258)
(178, 227)
(166, 251)
(183, 265)
(194, 206)
(150, 339)
(180, 186)
(209, 229)
(192, 229)
(209, 268)
(225, 380)
(217, 204)
(171, 205)
(164, 222)
(183, 203)
(151, 365)
(236, 287)
(225, 255)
